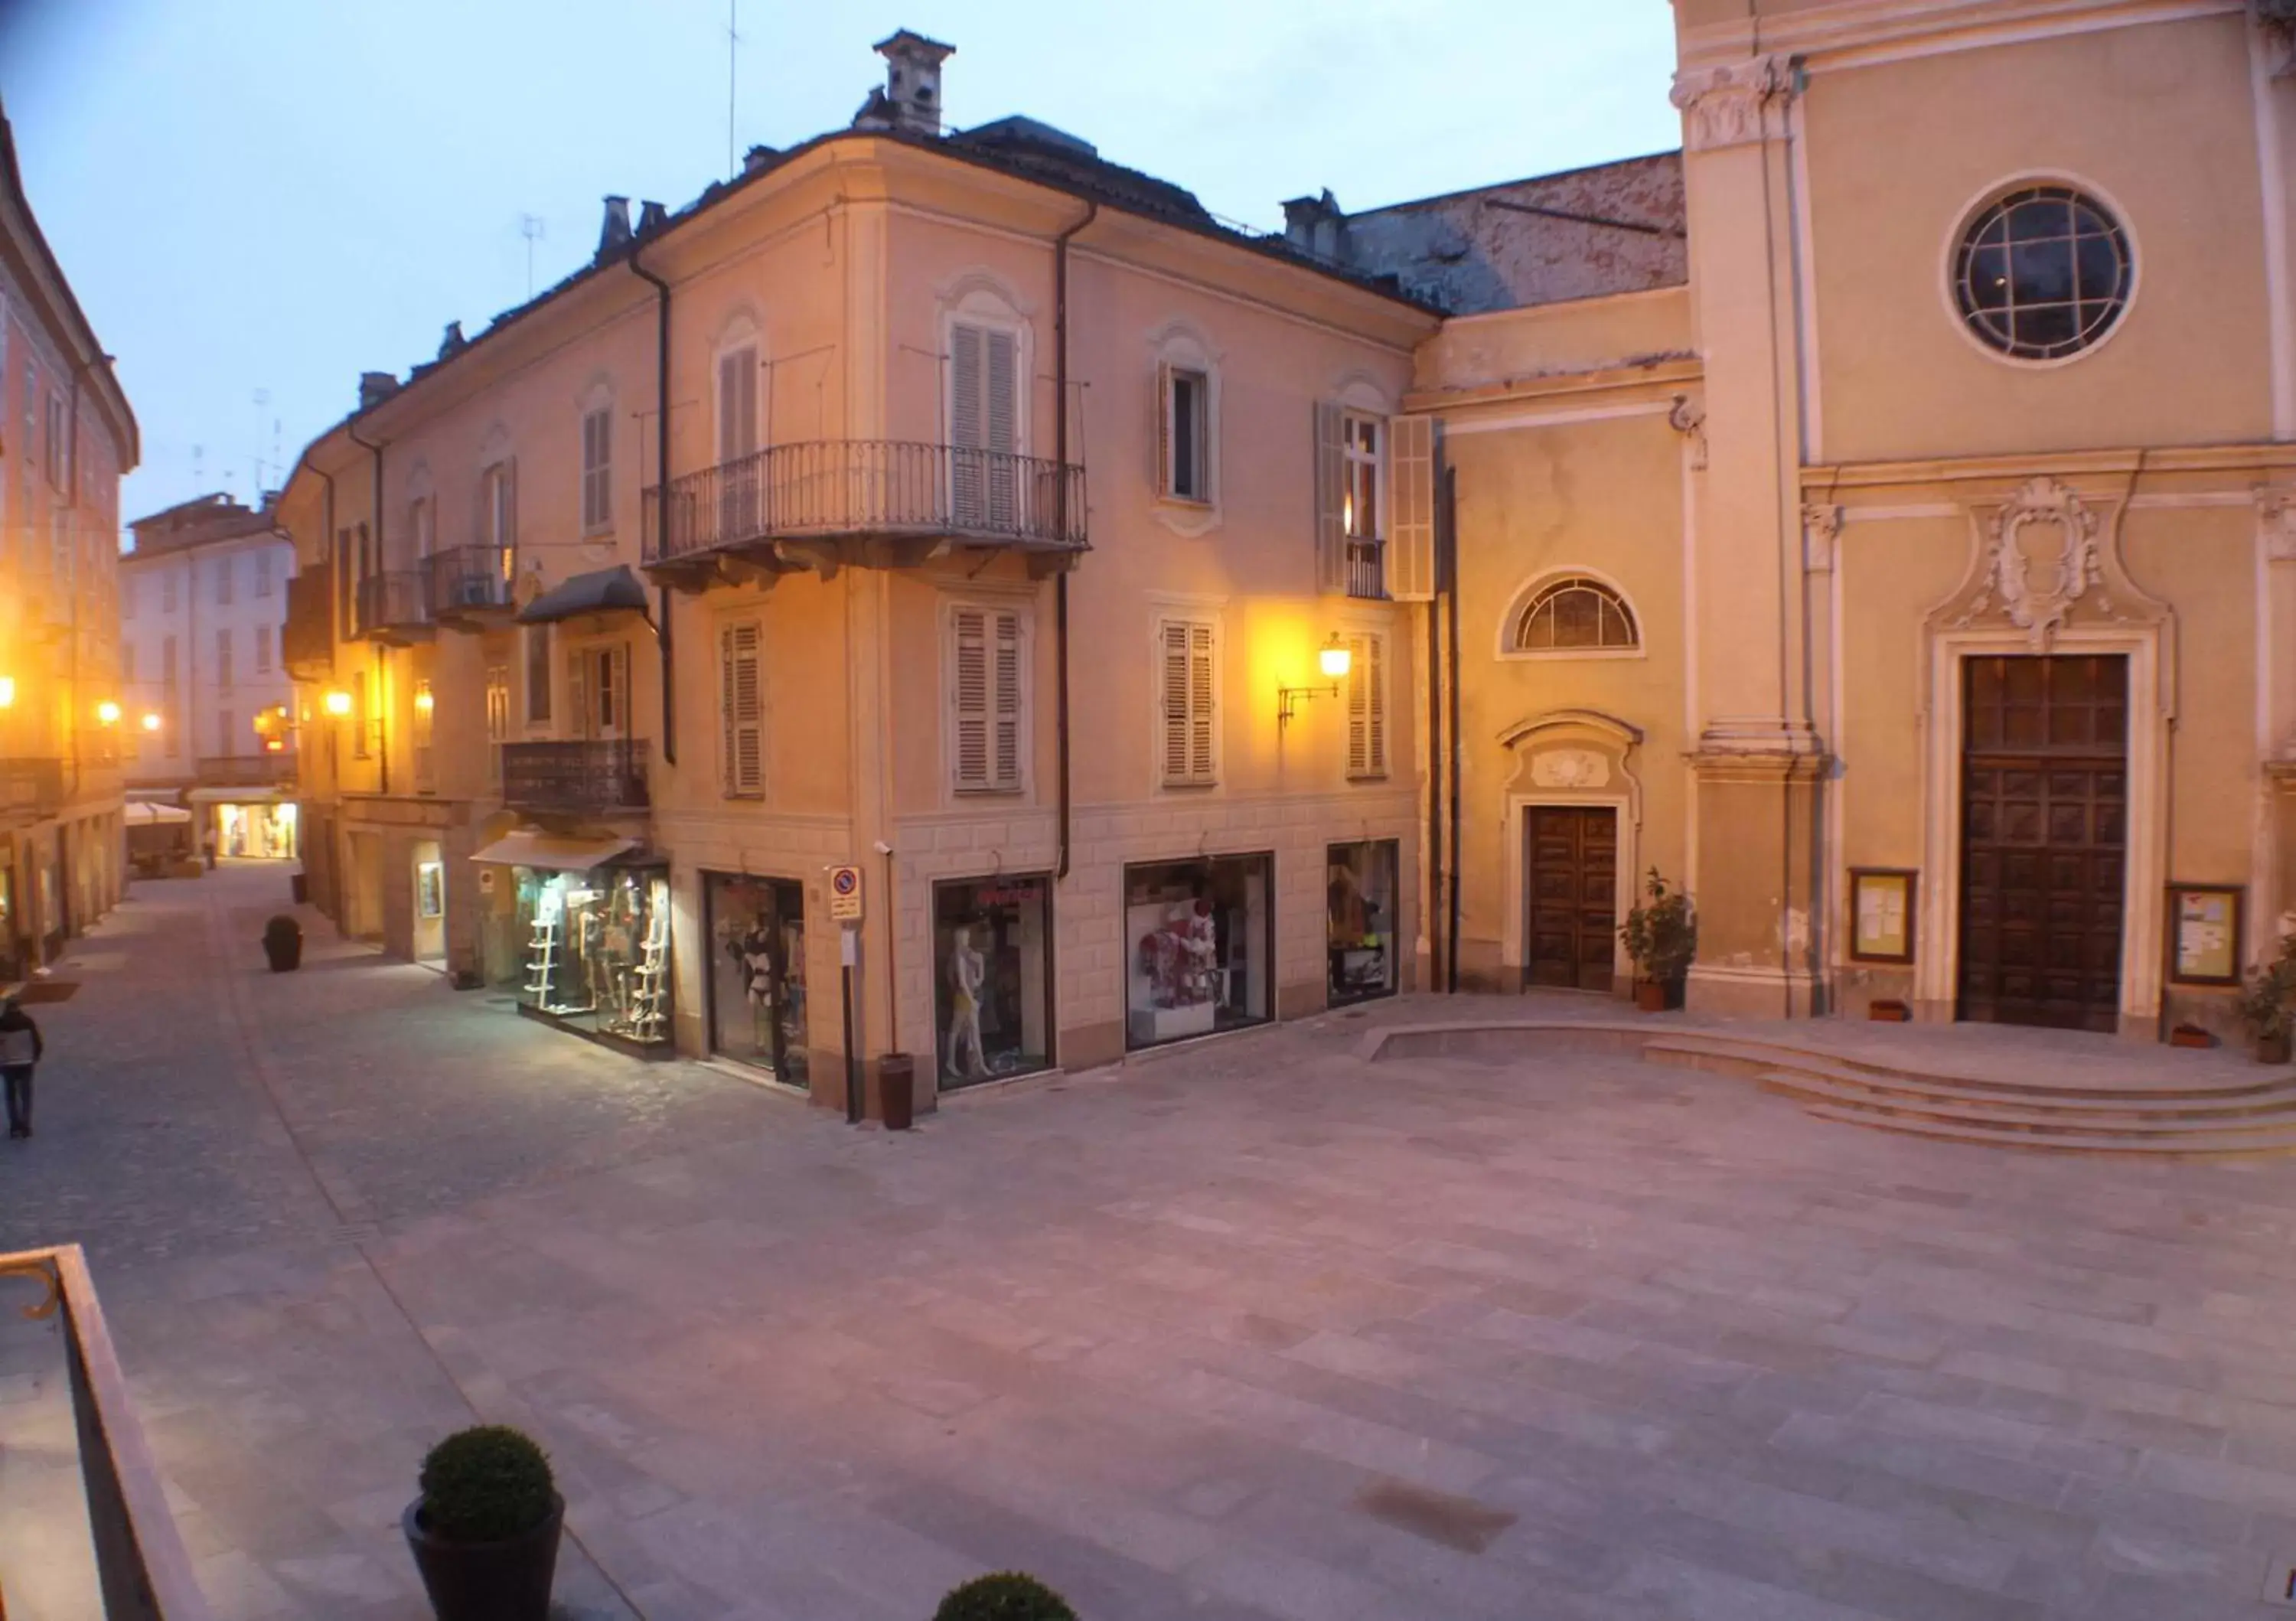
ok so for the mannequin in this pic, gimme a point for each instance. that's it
(967, 971)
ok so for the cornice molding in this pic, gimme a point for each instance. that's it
(1857, 32)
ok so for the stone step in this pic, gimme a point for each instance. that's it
(2084, 1119)
(1949, 1094)
(1738, 1056)
(2243, 1145)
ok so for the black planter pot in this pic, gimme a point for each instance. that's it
(506, 1581)
(285, 955)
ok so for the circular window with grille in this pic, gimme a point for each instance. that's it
(2042, 273)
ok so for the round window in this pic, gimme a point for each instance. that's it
(2042, 273)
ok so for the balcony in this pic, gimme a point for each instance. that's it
(31, 788)
(247, 770)
(469, 588)
(1367, 569)
(596, 776)
(307, 641)
(874, 503)
(390, 609)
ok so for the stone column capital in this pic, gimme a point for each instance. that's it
(1733, 103)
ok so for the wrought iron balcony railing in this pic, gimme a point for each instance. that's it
(247, 770)
(469, 585)
(1366, 568)
(593, 776)
(858, 490)
(31, 786)
(143, 1569)
(390, 606)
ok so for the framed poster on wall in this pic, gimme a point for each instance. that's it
(2204, 934)
(1881, 914)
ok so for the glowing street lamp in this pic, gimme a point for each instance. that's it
(7, 691)
(339, 703)
(150, 720)
(107, 713)
(1334, 660)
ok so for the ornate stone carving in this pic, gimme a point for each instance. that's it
(1821, 530)
(1569, 768)
(1732, 104)
(1688, 419)
(2041, 557)
(2275, 523)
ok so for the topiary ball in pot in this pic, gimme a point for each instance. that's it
(484, 1532)
(1006, 1596)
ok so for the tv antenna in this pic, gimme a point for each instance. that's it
(262, 397)
(530, 227)
(733, 62)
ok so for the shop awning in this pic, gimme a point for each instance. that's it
(238, 796)
(614, 590)
(528, 847)
(139, 813)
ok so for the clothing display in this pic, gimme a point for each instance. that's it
(597, 949)
(1202, 946)
(1359, 925)
(756, 972)
(992, 944)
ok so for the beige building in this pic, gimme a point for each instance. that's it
(67, 437)
(1012, 520)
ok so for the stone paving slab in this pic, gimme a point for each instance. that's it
(1255, 1329)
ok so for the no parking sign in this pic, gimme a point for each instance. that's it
(845, 894)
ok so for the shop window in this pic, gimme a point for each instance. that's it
(1203, 947)
(1360, 919)
(988, 671)
(756, 972)
(597, 949)
(993, 965)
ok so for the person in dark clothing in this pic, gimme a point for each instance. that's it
(20, 1048)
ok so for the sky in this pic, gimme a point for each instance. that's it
(258, 200)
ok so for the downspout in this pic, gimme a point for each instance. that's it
(663, 635)
(381, 707)
(1061, 511)
(1447, 519)
(71, 503)
(1438, 957)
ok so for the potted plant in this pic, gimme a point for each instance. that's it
(484, 1531)
(1006, 1596)
(1661, 934)
(282, 942)
(2266, 1004)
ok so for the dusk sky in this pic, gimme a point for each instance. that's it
(267, 197)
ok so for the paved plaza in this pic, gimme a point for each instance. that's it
(1256, 1330)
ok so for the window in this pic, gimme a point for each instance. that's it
(497, 719)
(1359, 512)
(167, 592)
(537, 674)
(737, 407)
(421, 524)
(1366, 692)
(1575, 614)
(226, 732)
(426, 764)
(55, 442)
(598, 695)
(1187, 432)
(359, 717)
(223, 570)
(597, 471)
(1350, 501)
(263, 650)
(1187, 682)
(168, 669)
(498, 505)
(2042, 273)
(988, 667)
(60, 549)
(223, 657)
(263, 573)
(740, 703)
(128, 596)
(984, 425)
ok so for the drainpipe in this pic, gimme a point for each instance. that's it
(664, 638)
(1438, 957)
(1447, 521)
(1060, 507)
(381, 708)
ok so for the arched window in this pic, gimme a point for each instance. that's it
(1573, 613)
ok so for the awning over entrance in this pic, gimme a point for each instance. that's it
(140, 812)
(614, 590)
(528, 847)
(238, 796)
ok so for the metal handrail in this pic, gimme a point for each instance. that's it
(463, 578)
(832, 488)
(391, 600)
(575, 774)
(141, 1562)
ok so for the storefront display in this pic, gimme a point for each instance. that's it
(597, 949)
(1360, 891)
(257, 831)
(993, 970)
(756, 972)
(1201, 936)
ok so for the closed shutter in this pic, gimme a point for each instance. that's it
(986, 669)
(741, 704)
(1411, 527)
(984, 425)
(1366, 706)
(970, 694)
(737, 403)
(1161, 477)
(967, 431)
(1006, 731)
(578, 693)
(1331, 498)
(1187, 677)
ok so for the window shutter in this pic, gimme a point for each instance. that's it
(967, 431)
(971, 698)
(1004, 424)
(1200, 738)
(1366, 706)
(1007, 740)
(1190, 725)
(737, 403)
(740, 703)
(1164, 410)
(1411, 529)
(577, 696)
(1174, 674)
(1331, 480)
(509, 501)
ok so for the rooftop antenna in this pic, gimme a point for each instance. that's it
(733, 60)
(262, 397)
(199, 467)
(530, 226)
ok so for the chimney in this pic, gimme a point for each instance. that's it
(1317, 225)
(912, 80)
(651, 217)
(453, 341)
(614, 234)
(375, 388)
(758, 158)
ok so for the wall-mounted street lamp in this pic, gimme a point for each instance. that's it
(339, 703)
(1334, 660)
(150, 720)
(7, 691)
(107, 714)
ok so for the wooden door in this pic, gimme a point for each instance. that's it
(1573, 859)
(2044, 794)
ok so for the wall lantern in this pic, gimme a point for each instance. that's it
(423, 701)
(7, 691)
(339, 703)
(1334, 660)
(107, 713)
(151, 720)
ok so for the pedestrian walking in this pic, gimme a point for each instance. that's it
(20, 1048)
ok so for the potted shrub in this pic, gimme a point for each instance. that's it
(282, 942)
(2266, 1004)
(1661, 934)
(1006, 1596)
(485, 1531)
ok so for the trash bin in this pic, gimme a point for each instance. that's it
(300, 883)
(897, 1086)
